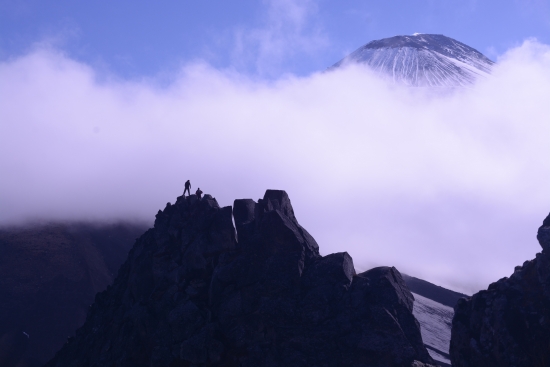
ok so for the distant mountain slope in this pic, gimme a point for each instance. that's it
(434, 292)
(49, 275)
(422, 60)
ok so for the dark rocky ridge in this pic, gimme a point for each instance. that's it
(49, 275)
(509, 323)
(190, 294)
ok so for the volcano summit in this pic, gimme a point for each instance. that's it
(422, 60)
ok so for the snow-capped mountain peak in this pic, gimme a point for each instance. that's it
(424, 60)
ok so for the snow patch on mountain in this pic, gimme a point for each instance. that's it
(435, 326)
(422, 60)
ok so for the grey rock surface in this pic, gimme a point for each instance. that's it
(509, 323)
(195, 292)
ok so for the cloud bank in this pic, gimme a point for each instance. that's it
(449, 187)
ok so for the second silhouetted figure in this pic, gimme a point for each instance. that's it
(199, 193)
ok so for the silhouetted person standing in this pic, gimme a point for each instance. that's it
(199, 193)
(187, 188)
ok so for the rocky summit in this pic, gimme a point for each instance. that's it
(195, 291)
(509, 323)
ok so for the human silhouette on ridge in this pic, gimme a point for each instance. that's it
(187, 188)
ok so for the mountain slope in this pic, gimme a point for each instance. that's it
(49, 275)
(434, 292)
(422, 60)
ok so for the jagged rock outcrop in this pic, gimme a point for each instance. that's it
(509, 323)
(191, 294)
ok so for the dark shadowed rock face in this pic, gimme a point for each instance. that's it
(508, 324)
(49, 276)
(190, 294)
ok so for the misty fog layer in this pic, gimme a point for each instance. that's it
(449, 186)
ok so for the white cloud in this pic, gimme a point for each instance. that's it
(448, 188)
(289, 29)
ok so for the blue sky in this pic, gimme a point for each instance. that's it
(134, 39)
(107, 108)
